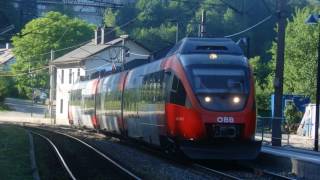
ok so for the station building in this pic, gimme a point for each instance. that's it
(85, 61)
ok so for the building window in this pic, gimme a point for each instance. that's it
(78, 74)
(73, 78)
(70, 76)
(61, 106)
(62, 76)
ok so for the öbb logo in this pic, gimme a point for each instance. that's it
(225, 119)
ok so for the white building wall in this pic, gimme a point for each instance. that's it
(64, 84)
(94, 63)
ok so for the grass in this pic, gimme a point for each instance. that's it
(14, 153)
(47, 161)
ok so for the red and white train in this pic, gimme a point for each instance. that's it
(199, 99)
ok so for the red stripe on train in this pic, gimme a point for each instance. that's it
(94, 121)
(184, 122)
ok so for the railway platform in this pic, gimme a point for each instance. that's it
(293, 153)
(305, 164)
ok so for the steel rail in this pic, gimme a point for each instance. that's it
(59, 155)
(216, 172)
(237, 178)
(277, 175)
(98, 152)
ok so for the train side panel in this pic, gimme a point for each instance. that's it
(144, 97)
(108, 104)
(75, 104)
(88, 114)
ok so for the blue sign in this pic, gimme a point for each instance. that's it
(299, 101)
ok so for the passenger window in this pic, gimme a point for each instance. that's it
(177, 92)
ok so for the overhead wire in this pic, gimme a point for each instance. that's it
(85, 42)
(134, 19)
(70, 47)
(251, 27)
(213, 5)
(22, 71)
(23, 74)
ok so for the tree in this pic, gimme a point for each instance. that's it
(155, 21)
(262, 86)
(33, 44)
(3, 89)
(300, 54)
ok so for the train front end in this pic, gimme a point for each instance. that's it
(218, 119)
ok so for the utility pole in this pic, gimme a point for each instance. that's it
(316, 131)
(123, 61)
(51, 87)
(202, 28)
(278, 81)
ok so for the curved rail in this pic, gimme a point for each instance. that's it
(131, 174)
(59, 155)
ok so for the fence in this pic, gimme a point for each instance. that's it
(296, 135)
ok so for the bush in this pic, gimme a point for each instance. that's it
(293, 116)
(4, 89)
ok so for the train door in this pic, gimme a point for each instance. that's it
(131, 99)
(151, 107)
(183, 121)
(175, 91)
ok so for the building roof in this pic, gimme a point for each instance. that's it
(5, 55)
(86, 51)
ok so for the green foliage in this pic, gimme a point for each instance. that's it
(263, 90)
(155, 28)
(300, 54)
(223, 18)
(32, 47)
(110, 18)
(292, 115)
(156, 20)
(4, 90)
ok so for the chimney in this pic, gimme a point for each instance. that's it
(102, 35)
(7, 45)
(97, 36)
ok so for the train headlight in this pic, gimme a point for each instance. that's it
(236, 100)
(213, 56)
(207, 99)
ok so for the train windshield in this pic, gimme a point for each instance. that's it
(221, 89)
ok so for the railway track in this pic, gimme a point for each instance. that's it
(241, 173)
(237, 172)
(81, 160)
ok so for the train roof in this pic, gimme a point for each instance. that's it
(206, 45)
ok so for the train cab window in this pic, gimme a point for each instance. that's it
(221, 88)
(177, 92)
